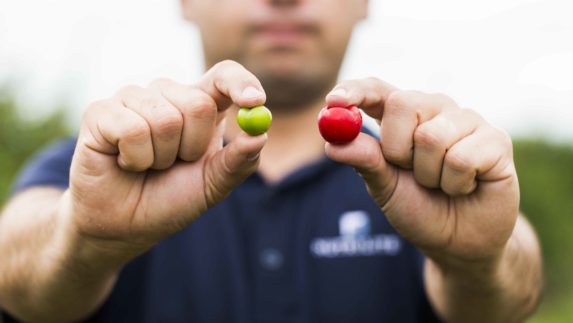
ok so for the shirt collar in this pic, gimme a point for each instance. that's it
(306, 172)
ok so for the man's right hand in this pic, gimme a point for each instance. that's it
(150, 160)
(147, 163)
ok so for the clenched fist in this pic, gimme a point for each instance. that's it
(444, 177)
(150, 160)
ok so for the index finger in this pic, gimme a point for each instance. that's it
(369, 94)
(229, 82)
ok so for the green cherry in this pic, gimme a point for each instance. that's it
(255, 120)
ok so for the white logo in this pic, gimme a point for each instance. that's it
(355, 239)
(354, 224)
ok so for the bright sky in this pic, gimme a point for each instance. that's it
(511, 60)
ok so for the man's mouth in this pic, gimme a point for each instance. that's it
(282, 34)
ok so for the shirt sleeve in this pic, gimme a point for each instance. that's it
(50, 167)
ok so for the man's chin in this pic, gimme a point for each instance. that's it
(281, 65)
(291, 91)
(291, 79)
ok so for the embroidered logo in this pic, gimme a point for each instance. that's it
(355, 239)
(354, 225)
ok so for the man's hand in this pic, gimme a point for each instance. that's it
(446, 181)
(443, 176)
(150, 160)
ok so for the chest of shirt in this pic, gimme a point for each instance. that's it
(318, 250)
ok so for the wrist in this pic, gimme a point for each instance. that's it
(484, 275)
(80, 250)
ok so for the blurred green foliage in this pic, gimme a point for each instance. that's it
(546, 180)
(545, 173)
(20, 137)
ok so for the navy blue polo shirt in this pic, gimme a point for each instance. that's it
(312, 248)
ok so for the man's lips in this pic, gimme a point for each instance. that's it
(282, 34)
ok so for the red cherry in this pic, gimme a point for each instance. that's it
(339, 125)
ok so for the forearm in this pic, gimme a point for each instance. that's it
(506, 289)
(47, 272)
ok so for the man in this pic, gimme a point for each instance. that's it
(160, 221)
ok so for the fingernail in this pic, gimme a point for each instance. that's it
(252, 93)
(338, 92)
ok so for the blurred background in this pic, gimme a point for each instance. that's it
(511, 60)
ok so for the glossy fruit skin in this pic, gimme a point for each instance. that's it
(254, 121)
(339, 125)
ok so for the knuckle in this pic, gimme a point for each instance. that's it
(504, 137)
(397, 156)
(372, 79)
(430, 134)
(201, 106)
(397, 99)
(147, 101)
(373, 84)
(458, 161)
(203, 111)
(471, 114)
(169, 123)
(227, 64)
(401, 100)
(136, 132)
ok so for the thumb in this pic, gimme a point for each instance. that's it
(231, 165)
(365, 155)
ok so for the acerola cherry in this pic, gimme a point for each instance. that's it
(339, 125)
(254, 121)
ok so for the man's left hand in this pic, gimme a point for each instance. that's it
(444, 177)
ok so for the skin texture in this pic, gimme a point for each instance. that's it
(136, 152)
(444, 177)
